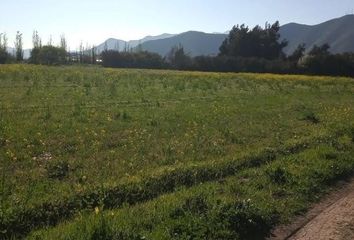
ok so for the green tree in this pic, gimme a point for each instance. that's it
(81, 52)
(63, 45)
(51, 55)
(50, 41)
(178, 58)
(298, 53)
(63, 42)
(320, 61)
(48, 55)
(93, 54)
(320, 50)
(19, 47)
(36, 40)
(258, 42)
(4, 55)
(37, 45)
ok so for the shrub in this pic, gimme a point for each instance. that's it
(143, 59)
(48, 55)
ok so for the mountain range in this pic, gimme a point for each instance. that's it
(121, 45)
(194, 43)
(338, 33)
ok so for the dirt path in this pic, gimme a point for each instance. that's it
(331, 219)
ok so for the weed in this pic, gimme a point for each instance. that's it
(310, 116)
(57, 169)
(278, 175)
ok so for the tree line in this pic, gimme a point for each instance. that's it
(244, 50)
(46, 54)
(259, 49)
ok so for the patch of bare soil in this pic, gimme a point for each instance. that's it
(331, 219)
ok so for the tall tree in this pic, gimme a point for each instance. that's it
(298, 53)
(36, 40)
(50, 40)
(4, 55)
(81, 52)
(3, 41)
(320, 50)
(258, 42)
(64, 46)
(63, 42)
(1, 46)
(139, 47)
(93, 54)
(178, 59)
(19, 47)
(37, 45)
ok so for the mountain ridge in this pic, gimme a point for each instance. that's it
(121, 45)
(337, 32)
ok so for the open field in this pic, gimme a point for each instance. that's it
(92, 153)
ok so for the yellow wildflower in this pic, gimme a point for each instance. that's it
(97, 210)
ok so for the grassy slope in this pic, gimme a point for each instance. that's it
(69, 134)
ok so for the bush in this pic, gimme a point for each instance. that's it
(111, 58)
(48, 55)
(3, 56)
(328, 64)
(241, 64)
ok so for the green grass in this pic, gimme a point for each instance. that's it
(166, 154)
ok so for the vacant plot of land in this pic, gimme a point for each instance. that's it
(91, 153)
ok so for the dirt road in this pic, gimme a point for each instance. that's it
(331, 219)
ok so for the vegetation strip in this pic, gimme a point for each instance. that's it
(167, 180)
(145, 103)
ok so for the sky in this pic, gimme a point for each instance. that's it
(93, 21)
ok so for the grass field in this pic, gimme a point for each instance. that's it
(93, 153)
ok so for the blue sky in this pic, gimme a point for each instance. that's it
(93, 21)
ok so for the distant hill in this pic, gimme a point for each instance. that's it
(338, 33)
(194, 43)
(115, 44)
(135, 43)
